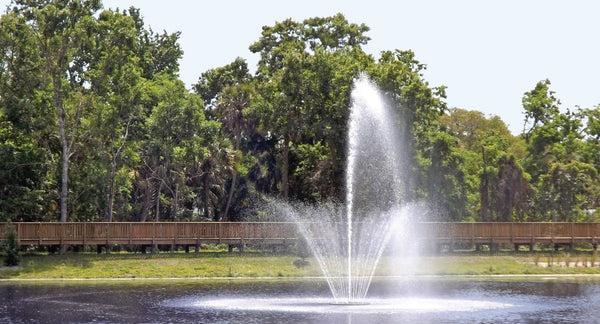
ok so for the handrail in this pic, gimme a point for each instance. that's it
(104, 233)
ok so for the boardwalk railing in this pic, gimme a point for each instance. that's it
(273, 233)
(136, 233)
(511, 233)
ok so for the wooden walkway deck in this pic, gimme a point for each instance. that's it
(197, 233)
(516, 234)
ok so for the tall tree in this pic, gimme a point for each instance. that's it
(558, 156)
(491, 163)
(228, 93)
(231, 110)
(567, 191)
(116, 82)
(184, 152)
(285, 50)
(26, 159)
(61, 30)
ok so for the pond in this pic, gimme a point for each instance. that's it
(551, 299)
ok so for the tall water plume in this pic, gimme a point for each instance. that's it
(348, 241)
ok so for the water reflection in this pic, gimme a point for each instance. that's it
(432, 300)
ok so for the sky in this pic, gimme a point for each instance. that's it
(487, 53)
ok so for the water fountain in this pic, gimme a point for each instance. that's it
(348, 250)
(347, 241)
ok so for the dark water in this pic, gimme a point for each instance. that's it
(423, 300)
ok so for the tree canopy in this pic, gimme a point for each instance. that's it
(95, 125)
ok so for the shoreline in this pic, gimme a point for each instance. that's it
(391, 277)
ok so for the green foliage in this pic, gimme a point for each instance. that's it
(305, 73)
(445, 183)
(91, 106)
(11, 246)
(567, 191)
(213, 81)
(486, 145)
(562, 161)
(311, 180)
(541, 107)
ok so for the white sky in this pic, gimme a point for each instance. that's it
(488, 53)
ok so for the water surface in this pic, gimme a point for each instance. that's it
(423, 300)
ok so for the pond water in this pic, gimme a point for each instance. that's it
(417, 300)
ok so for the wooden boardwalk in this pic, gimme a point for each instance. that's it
(272, 233)
(516, 234)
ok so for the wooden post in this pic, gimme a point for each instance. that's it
(153, 250)
(62, 247)
(220, 232)
(84, 229)
(39, 233)
(531, 245)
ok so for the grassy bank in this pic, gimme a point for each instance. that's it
(164, 265)
(223, 264)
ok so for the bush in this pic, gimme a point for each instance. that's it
(11, 246)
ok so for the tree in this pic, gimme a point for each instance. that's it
(21, 109)
(11, 246)
(183, 149)
(540, 106)
(512, 193)
(560, 157)
(60, 30)
(231, 110)
(495, 179)
(329, 77)
(429, 151)
(286, 77)
(445, 183)
(116, 83)
(215, 166)
(25, 190)
(567, 191)
(228, 91)
(213, 81)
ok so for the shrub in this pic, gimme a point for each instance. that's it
(11, 246)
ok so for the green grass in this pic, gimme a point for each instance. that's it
(172, 265)
(223, 264)
(509, 263)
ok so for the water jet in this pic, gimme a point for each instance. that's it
(347, 241)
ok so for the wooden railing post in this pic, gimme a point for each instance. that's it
(220, 233)
(153, 237)
(19, 233)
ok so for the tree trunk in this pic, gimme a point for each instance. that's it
(64, 160)
(206, 191)
(485, 213)
(146, 202)
(113, 173)
(157, 215)
(233, 177)
(285, 169)
(111, 194)
(176, 202)
(64, 188)
(230, 198)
